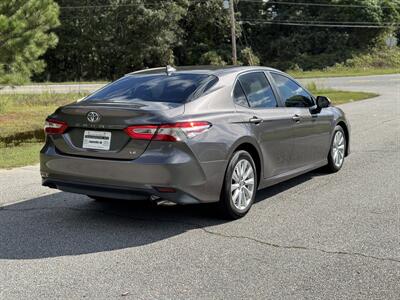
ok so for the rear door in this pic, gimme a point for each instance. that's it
(311, 131)
(270, 123)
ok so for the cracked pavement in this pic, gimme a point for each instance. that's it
(316, 236)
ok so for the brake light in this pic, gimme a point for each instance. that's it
(168, 132)
(53, 126)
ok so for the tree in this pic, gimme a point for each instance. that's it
(24, 36)
(310, 47)
(104, 39)
(206, 38)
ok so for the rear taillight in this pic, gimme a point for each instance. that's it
(168, 132)
(53, 126)
(141, 132)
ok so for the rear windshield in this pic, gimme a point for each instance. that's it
(176, 88)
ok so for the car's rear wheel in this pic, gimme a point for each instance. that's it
(338, 150)
(240, 186)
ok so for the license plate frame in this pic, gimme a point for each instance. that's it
(96, 140)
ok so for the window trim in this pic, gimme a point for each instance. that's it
(282, 101)
(248, 102)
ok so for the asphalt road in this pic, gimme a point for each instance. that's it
(317, 236)
(52, 88)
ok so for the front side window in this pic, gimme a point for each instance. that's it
(292, 94)
(176, 88)
(258, 90)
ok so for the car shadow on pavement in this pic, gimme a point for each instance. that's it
(62, 224)
(266, 193)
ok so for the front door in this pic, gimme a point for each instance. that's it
(311, 131)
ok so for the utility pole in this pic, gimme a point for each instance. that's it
(233, 32)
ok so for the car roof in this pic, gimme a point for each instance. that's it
(209, 70)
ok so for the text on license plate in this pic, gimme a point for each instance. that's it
(99, 140)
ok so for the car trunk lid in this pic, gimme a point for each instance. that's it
(105, 137)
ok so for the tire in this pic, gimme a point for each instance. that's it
(238, 192)
(337, 150)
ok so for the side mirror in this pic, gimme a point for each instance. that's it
(323, 102)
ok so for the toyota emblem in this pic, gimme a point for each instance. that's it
(93, 117)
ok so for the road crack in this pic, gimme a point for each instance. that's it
(296, 247)
(214, 233)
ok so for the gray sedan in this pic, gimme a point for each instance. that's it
(192, 135)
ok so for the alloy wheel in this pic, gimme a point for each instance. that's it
(338, 148)
(242, 184)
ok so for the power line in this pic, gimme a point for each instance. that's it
(251, 1)
(105, 6)
(313, 4)
(145, 3)
(327, 22)
(319, 23)
(290, 23)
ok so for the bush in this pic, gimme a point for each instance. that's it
(249, 58)
(379, 58)
(212, 58)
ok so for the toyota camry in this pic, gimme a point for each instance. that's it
(192, 135)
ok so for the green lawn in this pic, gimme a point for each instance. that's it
(340, 97)
(68, 82)
(22, 118)
(18, 156)
(343, 72)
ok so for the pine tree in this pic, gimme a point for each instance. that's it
(24, 36)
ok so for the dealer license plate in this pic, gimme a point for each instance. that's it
(99, 140)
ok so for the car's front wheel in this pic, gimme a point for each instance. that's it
(240, 185)
(338, 150)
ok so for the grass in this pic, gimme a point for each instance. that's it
(342, 72)
(22, 118)
(339, 97)
(69, 82)
(376, 61)
(21, 125)
(22, 155)
(22, 115)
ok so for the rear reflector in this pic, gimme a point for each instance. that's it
(53, 126)
(168, 132)
(165, 189)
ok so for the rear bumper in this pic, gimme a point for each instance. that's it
(173, 167)
(97, 190)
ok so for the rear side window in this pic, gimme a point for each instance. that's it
(238, 95)
(258, 90)
(292, 94)
(176, 88)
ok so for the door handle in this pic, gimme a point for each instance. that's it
(255, 120)
(296, 118)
